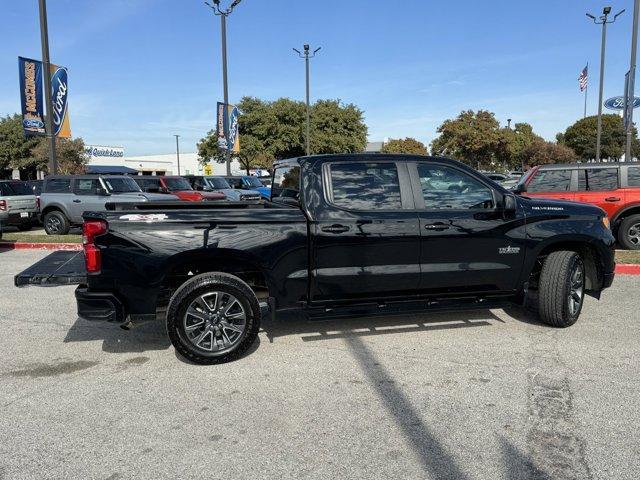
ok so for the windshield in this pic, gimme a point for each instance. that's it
(121, 185)
(217, 183)
(177, 183)
(15, 188)
(254, 182)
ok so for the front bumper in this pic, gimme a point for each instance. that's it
(99, 306)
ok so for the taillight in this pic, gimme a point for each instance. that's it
(92, 257)
(3, 205)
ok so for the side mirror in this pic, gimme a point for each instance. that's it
(510, 204)
(520, 188)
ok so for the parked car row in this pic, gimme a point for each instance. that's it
(59, 201)
(614, 187)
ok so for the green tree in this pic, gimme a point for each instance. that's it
(541, 152)
(276, 130)
(581, 137)
(471, 137)
(15, 147)
(69, 153)
(408, 145)
(512, 144)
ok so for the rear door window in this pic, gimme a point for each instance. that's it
(633, 176)
(597, 179)
(58, 185)
(365, 186)
(550, 181)
(86, 186)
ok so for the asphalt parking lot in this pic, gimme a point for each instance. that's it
(466, 395)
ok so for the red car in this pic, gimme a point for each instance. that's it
(614, 187)
(178, 186)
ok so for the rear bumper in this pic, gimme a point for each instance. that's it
(17, 219)
(99, 306)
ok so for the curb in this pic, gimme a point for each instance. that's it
(627, 269)
(39, 246)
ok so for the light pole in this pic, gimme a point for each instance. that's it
(223, 13)
(629, 92)
(178, 152)
(44, 38)
(604, 20)
(306, 55)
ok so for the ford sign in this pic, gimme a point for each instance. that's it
(32, 123)
(233, 128)
(617, 103)
(59, 98)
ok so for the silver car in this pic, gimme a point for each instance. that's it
(18, 204)
(65, 198)
(220, 184)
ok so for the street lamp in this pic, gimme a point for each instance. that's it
(178, 152)
(306, 55)
(223, 14)
(44, 39)
(629, 93)
(604, 20)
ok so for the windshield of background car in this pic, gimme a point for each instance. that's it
(254, 182)
(15, 188)
(217, 183)
(286, 182)
(121, 185)
(177, 184)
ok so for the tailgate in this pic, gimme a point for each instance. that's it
(59, 268)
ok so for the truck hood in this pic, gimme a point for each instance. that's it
(550, 206)
(142, 197)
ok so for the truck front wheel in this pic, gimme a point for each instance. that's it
(561, 289)
(213, 318)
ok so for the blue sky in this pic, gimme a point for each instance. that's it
(143, 70)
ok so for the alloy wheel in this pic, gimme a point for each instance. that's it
(215, 321)
(634, 234)
(576, 288)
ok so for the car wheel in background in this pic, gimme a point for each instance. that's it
(561, 289)
(56, 223)
(213, 318)
(629, 232)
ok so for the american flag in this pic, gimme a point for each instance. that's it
(583, 79)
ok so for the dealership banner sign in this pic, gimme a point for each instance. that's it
(101, 151)
(31, 98)
(59, 96)
(227, 127)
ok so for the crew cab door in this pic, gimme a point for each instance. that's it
(600, 187)
(467, 243)
(365, 235)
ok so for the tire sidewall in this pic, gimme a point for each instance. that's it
(177, 310)
(573, 318)
(623, 232)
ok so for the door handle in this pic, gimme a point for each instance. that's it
(438, 226)
(76, 201)
(612, 199)
(335, 228)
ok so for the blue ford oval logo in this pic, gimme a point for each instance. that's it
(32, 123)
(59, 98)
(617, 103)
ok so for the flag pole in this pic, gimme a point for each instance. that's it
(586, 89)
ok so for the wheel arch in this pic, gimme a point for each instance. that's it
(179, 268)
(591, 256)
(55, 207)
(632, 209)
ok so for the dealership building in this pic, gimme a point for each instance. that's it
(164, 164)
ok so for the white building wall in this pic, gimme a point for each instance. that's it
(166, 164)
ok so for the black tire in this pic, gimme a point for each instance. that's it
(193, 289)
(555, 287)
(56, 223)
(25, 227)
(629, 232)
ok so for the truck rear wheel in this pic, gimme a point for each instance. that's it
(56, 223)
(629, 232)
(561, 289)
(213, 318)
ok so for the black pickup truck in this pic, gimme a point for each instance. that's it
(342, 235)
